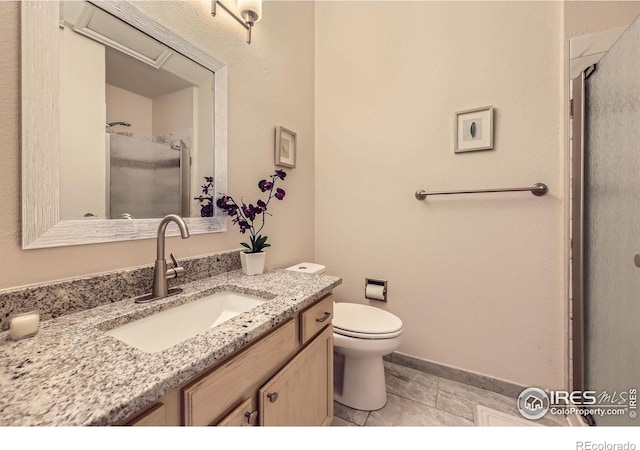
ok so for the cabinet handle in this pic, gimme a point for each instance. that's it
(273, 397)
(323, 318)
(252, 417)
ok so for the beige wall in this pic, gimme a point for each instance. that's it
(173, 112)
(270, 83)
(82, 127)
(586, 17)
(127, 106)
(477, 280)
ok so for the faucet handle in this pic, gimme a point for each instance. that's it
(176, 271)
(173, 258)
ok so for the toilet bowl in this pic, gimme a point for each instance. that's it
(362, 335)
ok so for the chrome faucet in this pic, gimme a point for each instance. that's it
(160, 272)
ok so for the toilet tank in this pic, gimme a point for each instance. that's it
(308, 267)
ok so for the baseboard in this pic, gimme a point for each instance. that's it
(497, 385)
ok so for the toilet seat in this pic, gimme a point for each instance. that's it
(366, 336)
(365, 322)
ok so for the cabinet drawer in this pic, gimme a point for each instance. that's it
(315, 318)
(210, 396)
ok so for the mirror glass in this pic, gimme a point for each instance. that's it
(136, 123)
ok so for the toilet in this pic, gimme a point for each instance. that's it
(362, 335)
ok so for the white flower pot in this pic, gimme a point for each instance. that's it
(252, 263)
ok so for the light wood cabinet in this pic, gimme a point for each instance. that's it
(294, 361)
(302, 392)
(214, 393)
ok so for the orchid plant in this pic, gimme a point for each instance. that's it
(252, 217)
(206, 200)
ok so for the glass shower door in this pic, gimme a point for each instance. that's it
(612, 223)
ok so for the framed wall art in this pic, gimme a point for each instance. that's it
(285, 148)
(474, 130)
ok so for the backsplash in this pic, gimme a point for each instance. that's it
(58, 298)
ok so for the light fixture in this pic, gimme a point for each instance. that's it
(247, 13)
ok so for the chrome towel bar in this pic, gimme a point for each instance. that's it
(538, 189)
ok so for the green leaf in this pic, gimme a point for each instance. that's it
(244, 244)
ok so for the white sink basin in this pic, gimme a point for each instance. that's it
(172, 326)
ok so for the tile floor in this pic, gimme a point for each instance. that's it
(416, 398)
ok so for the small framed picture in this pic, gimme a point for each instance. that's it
(285, 148)
(474, 130)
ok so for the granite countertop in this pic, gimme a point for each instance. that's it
(72, 373)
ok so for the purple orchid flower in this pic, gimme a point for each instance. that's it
(244, 226)
(222, 202)
(249, 212)
(265, 185)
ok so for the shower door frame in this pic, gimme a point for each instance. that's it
(577, 228)
(577, 309)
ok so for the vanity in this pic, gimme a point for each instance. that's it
(283, 378)
(271, 365)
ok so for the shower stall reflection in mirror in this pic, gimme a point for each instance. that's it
(147, 176)
(605, 229)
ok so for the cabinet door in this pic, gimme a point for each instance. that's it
(208, 397)
(302, 392)
(243, 416)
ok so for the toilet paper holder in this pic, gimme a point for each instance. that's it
(374, 283)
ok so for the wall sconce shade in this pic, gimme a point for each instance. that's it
(250, 10)
(247, 14)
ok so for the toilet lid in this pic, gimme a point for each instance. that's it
(364, 319)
